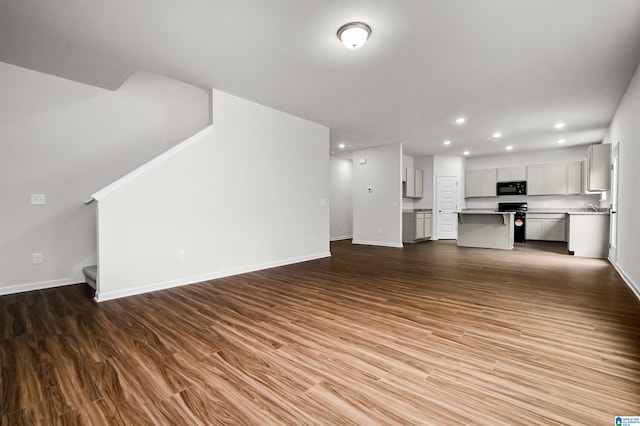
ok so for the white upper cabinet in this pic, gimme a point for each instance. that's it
(598, 167)
(413, 183)
(536, 180)
(480, 183)
(574, 177)
(556, 175)
(547, 179)
(511, 174)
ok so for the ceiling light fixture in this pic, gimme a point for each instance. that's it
(509, 147)
(466, 153)
(561, 141)
(341, 145)
(447, 142)
(559, 126)
(497, 135)
(460, 120)
(354, 34)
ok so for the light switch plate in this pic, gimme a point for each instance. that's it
(36, 258)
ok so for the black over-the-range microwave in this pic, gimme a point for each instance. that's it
(512, 188)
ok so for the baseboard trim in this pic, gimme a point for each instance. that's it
(377, 243)
(116, 294)
(41, 285)
(344, 237)
(633, 286)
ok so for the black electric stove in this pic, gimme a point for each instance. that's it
(519, 219)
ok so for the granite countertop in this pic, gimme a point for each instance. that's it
(554, 210)
(568, 211)
(416, 210)
(483, 211)
(588, 212)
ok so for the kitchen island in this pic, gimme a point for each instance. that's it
(485, 229)
(588, 233)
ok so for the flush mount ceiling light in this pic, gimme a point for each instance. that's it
(447, 142)
(354, 34)
(558, 126)
(460, 120)
(341, 146)
(497, 135)
(466, 153)
(509, 148)
(561, 141)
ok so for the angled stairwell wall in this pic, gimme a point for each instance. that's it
(247, 193)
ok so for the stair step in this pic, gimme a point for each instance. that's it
(91, 274)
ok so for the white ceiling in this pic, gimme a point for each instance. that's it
(514, 66)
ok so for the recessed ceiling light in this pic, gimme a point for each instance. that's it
(561, 141)
(354, 34)
(559, 126)
(460, 120)
(497, 135)
(447, 142)
(509, 147)
(466, 153)
(341, 145)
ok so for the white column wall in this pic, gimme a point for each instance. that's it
(377, 196)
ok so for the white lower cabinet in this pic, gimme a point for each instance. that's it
(416, 226)
(545, 227)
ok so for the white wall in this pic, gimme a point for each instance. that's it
(227, 217)
(625, 129)
(377, 214)
(575, 153)
(558, 155)
(341, 194)
(66, 140)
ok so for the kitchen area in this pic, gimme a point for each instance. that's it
(504, 206)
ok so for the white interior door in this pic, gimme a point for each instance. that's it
(613, 230)
(446, 207)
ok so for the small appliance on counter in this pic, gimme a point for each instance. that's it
(519, 219)
(512, 188)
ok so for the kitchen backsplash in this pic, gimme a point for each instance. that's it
(538, 202)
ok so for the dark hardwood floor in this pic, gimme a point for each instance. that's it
(429, 334)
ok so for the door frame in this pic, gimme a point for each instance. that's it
(437, 207)
(613, 202)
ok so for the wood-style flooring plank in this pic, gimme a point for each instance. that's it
(428, 334)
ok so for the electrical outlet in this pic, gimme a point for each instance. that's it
(182, 255)
(36, 258)
(38, 199)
